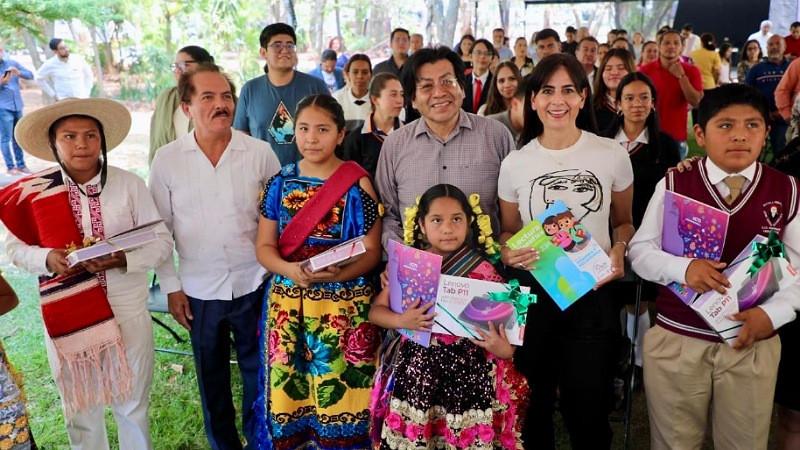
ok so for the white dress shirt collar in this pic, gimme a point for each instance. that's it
(716, 174)
(622, 138)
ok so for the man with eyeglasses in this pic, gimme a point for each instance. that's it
(399, 41)
(445, 145)
(267, 103)
(478, 83)
(65, 75)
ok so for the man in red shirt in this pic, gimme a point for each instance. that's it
(678, 85)
(793, 41)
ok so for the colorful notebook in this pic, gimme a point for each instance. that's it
(571, 262)
(693, 230)
(413, 274)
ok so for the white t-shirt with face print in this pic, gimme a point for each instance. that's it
(583, 176)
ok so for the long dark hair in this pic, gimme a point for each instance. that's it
(651, 123)
(446, 191)
(744, 51)
(540, 75)
(600, 88)
(708, 41)
(458, 47)
(495, 103)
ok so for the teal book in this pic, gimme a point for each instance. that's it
(571, 262)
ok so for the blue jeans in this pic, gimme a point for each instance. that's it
(8, 121)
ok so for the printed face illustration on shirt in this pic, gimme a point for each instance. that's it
(281, 126)
(579, 189)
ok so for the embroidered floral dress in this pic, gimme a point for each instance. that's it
(453, 394)
(15, 433)
(318, 350)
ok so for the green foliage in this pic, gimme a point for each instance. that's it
(149, 75)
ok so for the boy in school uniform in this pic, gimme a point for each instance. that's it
(687, 367)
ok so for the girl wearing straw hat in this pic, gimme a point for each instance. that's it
(99, 335)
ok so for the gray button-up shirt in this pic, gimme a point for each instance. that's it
(414, 159)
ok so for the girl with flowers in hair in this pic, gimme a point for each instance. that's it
(318, 352)
(459, 392)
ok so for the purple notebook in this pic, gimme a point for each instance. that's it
(693, 230)
(413, 274)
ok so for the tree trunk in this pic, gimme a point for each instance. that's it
(275, 7)
(291, 17)
(101, 91)
(315, 29)
(466, 18)
(504, 11)
(338, 19)
(450, 22)
(168, 30)
(30, 44)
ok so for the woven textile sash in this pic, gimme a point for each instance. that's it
(315, 209)
(93, 367)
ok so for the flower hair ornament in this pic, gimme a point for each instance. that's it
(485, 229)
(410, 226)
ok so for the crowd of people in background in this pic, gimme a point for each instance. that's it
(448, 149)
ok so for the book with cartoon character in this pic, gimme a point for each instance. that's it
(693, 230)
(413, 274)
(571, 262)
(747, 290)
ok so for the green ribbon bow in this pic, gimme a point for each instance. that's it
(516, 297)
(763, 252)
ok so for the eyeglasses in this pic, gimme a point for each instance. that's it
(644, 99)
(445, 83)
(278, 46)
(400, 40)
(182, 65)
(482, 53)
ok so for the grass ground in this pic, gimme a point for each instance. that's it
(175, 413)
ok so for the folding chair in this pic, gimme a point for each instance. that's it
(157, 303)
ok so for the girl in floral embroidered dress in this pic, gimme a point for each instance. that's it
(318, 350)
(459, 392)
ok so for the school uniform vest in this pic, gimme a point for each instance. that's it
(768, 203)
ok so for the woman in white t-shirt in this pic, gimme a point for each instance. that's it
(570, 354)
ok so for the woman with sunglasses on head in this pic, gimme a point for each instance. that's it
(652, 153)
(168, 121)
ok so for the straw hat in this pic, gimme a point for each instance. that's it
(32, 130)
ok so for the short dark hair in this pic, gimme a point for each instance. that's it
(429, 56)
(546, 34)
(731, 94)
(622, 31)
(587, 39)
(686, 26)
(357, 57)
(489, 46)
(324, 102)
(273, 30)
(794, 24)
(667, 32)
(53, 44)
(186, 88)
(199, 54)
(499, 29)
(536, 80)
(571, 29)
(620, 39)
(328, 55)
(399, 30)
